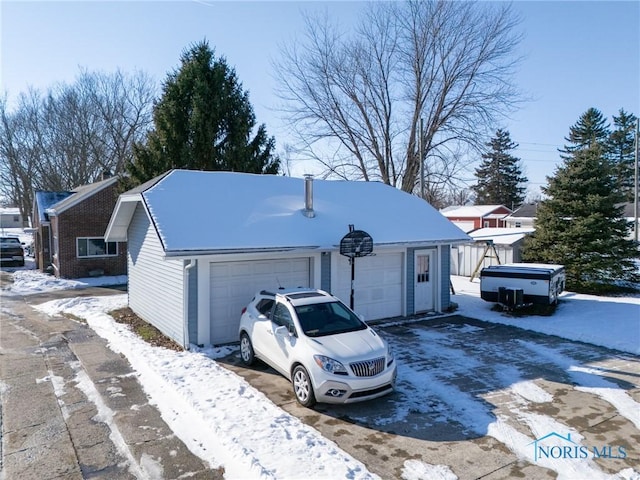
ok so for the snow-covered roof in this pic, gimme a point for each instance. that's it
(79, 194)
(471, 211)
(45, 200)
(198, 212)
(9, 211)
(501, 236)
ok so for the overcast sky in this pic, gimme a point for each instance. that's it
(578, 54)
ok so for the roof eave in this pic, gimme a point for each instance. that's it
(121, 217)
(234, 251)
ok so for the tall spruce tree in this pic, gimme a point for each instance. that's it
(203, 121)
(580, 224)
(590, 128)
(500, 178)
(622, 145)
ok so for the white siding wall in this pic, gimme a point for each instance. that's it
(155, 285)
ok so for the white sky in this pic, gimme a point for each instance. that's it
(578, 54)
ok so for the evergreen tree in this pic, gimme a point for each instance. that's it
(591, 128)
(203, 121)
(622, 144)
(580, 224)
(500, 178)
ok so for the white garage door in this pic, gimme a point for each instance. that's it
(378, 285)
(233, 285)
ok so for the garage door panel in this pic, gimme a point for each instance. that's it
(233, 285)
(378, 285)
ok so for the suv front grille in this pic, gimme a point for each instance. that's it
(368, 368)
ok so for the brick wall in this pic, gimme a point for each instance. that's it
(87, 219)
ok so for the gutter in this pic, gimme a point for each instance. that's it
(191, 253)
(185, 310)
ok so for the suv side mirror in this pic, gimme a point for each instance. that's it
(284, 331)
(281, 331)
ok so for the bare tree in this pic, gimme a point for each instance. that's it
(355, 101)
(72, 134)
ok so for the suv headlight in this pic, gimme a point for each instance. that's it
(330, 365)
(389, 354)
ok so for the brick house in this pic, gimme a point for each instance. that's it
(69, 232)
(472, 217)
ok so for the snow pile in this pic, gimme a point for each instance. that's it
(27, 282)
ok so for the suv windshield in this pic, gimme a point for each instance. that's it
(330, 318)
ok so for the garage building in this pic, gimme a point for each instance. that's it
(200, 244)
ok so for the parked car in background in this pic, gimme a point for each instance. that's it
(327, 352)
(11, 251)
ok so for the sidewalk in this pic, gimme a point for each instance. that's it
(71, 408)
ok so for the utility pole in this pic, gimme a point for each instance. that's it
(420, 152)
(635, 183)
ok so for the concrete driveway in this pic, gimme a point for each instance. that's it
(71, 408)
(480, 398)
(473, 397)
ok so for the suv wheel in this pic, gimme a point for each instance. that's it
(246, 350)
(302, 387)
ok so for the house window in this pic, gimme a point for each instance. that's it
(16, 219)
(95, 247)
(487, 224)
(518, 224)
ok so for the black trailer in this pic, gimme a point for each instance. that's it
(518, 284)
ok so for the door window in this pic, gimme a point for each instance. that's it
(422, 268)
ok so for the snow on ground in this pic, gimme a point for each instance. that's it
(612, 322)
(178, 384)
(233, 424)
(27, 281)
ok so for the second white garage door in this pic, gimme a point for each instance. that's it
(378, 284)
(233, 285)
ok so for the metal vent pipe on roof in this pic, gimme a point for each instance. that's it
(308, 197)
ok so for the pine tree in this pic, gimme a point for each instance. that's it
(591, 128)
(500, 178)
(203, 121)
(622, 144)
(580, 224)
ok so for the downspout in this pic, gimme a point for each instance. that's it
(185, 314)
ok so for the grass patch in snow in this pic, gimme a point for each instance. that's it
(144, 330)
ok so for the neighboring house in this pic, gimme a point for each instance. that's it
(629, 213)
(506, 243)
(524, 216)
(69, 232)
(472, 217)
(12, 218)
(201, 244)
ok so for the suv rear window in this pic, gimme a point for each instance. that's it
(10, 242)
(264, 306)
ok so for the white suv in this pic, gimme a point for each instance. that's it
(327, 352)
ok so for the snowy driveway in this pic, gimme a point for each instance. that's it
(475, 399)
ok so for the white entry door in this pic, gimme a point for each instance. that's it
(424, 280)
